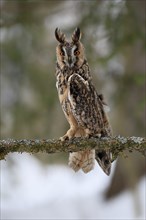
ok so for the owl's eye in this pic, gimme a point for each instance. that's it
(77, 52)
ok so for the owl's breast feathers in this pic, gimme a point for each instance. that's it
(62, 76)
(80, 100)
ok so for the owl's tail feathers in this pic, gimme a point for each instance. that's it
(88, 161)
(75, 160)
(84, 160)
(104, 160)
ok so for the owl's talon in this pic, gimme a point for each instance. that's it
(97, 136)
(72, 138)
(64, 138)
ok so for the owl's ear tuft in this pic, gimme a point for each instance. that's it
(76, 35)
(59, 35)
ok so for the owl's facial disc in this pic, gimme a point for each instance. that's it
(69, 57)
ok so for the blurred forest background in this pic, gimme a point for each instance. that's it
(113, 33)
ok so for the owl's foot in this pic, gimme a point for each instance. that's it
(69, 134)
(64, 138)
(97, 135)
(88, 133)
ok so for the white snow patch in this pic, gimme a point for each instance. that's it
(32, 191)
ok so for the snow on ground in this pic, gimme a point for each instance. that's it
(33, 191)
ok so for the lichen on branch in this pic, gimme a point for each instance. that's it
(116, 144)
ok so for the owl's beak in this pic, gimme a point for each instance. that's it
(70, 61)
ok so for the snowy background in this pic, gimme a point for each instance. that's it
(33, 191)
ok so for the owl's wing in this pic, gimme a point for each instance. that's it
(86, 106)
(88, 109)
(105, 106)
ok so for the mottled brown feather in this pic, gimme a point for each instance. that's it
(81, 104)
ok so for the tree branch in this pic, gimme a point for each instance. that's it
(116, 144)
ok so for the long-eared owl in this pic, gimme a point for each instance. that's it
(83, 107)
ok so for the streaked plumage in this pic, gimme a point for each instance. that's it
(81, 104)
